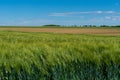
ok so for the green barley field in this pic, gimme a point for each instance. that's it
(50, 56)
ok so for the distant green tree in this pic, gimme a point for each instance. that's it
(104, 26)
(118, 26)
(53, 25)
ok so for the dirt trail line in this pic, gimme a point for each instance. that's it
(69, 30)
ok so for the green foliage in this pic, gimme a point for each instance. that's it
(51, 25)
(43, 56)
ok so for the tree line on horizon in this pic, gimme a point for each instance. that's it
(54, 25)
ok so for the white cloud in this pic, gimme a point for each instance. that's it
(87, 12)
(58, 14)
(111, 12)
(98, 12)
(113, 18)
(107, 17)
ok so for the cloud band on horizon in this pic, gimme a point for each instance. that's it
(86, 12)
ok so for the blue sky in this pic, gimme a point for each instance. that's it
(62, 12)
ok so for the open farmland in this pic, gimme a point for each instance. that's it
(50, 56)
(105, 31)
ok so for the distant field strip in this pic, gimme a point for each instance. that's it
(106, 31)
